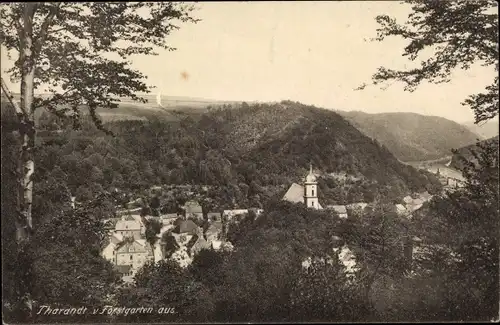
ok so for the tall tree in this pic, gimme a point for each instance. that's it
(153, 228)
(457, 33)
(464, 226)
(77, 53)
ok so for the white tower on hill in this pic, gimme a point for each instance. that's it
(311, 190)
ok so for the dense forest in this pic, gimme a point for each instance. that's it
(470, 153)
(248, 154)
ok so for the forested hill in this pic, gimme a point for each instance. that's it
(468, 152)
(251, 153)
(413, 137)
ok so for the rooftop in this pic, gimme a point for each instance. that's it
(295, 194)
(338, 208)
(186, 226)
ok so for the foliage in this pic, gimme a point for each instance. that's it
(456, 34)
(72, 238)
(153, 228)
(377, 237)
(323, 293)
(166, 284)
(469, 152)
(456, 265)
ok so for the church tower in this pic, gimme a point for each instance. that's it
(311, 191)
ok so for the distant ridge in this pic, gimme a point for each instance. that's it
(412, 136)
(484, 130)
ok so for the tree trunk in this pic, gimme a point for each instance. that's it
(27, 134)
(27, 126)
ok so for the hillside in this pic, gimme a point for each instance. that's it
(484, 130)
(250, 153)
(410, 136)
(468, 152)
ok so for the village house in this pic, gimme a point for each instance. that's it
(340, 209)
(184, 231)
(186, 227)
(229, 215)
(452, 182)
(257, 211)
(213, 231)
(126, 272)
(214, 216)
(108, 252)
(401, 210)
(357, 207)
(193, 210)
(425, 196)
(127, 255)
(155, 188)
(168, 219)
(196, 244)
(130, 226)
(135, 253)
(407, 199)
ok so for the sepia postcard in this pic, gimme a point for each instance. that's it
(250, 162)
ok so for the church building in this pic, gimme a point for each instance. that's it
(306, 194)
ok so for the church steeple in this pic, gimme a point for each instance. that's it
(311, 190)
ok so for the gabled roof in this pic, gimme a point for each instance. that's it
(341, 209)
(186, 226)
(169, 216)
(193, 207)
(408, 199)
(198, 241)
(414, 207)
(128, 225)
(116, 237)
(234, 212)
(426, 196)
(136, 246)
(295, 194)
(357, 205)
(141, 242)
(417, 202)
(400, 208)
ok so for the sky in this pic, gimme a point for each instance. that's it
(313, 52)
